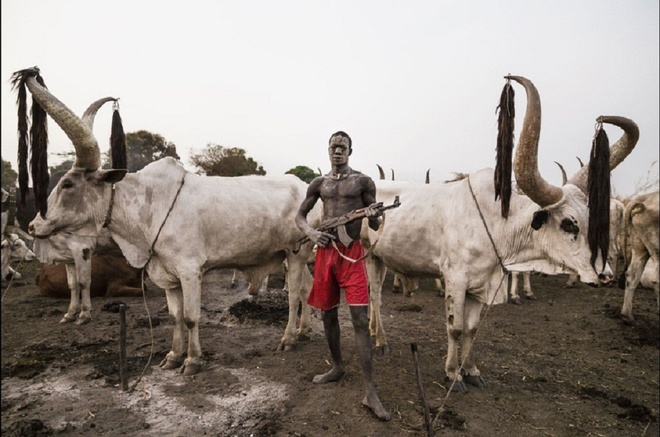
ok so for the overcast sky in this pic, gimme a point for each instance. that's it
(415, 83)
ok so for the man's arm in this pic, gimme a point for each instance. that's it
(313, 195)
(369, 198)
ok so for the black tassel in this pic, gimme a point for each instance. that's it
(598, 187)
(18, 84)
(118, 141)
(39, 159)
(504, 148)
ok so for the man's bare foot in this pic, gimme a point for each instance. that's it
(373, 403)
(331, 376)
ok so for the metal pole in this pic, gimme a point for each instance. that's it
(123, 367)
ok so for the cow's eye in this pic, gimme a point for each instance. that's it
(568, 225)
(67, 184)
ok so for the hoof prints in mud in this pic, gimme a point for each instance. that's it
(271, 307)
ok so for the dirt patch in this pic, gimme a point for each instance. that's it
(563, 365)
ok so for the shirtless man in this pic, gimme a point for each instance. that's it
(341, 191)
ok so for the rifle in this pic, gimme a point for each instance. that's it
(349, 217)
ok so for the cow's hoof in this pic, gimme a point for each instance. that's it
(458, 387)
(628, 320)
(169, 363)
(303, 336)
(191, 369)
(66, 320)
(381, 350)
(286, 346)
(532, 297)
(516, 301)
(396, 290)
(475, 381)
(83, 320)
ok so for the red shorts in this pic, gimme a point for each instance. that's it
(332, 272)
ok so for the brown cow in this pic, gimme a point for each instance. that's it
(111, 276)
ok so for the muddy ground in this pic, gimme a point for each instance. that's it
(562, 365)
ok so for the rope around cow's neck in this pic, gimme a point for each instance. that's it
(144, 298)
(490, 304)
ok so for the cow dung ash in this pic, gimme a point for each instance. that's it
(271, 307)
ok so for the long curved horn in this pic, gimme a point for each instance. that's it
(563, 173)
(392, 170)
(90, 113)
(580, 161)
(380, 171)
(526, 167)
(618, 151)
(428, 179)
(88, 154)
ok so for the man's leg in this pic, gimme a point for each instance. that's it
(359, 315)
(332, 335)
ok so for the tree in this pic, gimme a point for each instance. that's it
(9, 175)
(144, 147)
(304, 173)
(216, 160)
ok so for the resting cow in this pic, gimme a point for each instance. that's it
(226, 222)
(14, 250)
(457, 230)
(112, 276)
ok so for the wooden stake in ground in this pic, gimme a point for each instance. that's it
(123, 368)
(422, 396)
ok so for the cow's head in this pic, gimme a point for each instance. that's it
(81, 198)
(563, 221)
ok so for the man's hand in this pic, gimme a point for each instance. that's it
(322, 239)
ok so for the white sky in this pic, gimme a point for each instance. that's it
(415, 83)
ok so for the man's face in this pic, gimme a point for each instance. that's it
(339, 150)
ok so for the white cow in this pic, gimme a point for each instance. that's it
(641, 231)
(226, 222)
(14, 249)
(440, 229)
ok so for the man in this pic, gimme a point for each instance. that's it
(338, 261)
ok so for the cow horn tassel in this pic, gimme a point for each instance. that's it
(504, 148)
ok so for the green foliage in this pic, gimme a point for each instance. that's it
(144, 147)
(216, 160)
(304, 173)
(9, 175)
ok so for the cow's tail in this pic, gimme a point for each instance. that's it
(504, 148)
(38, 139)
(599, 192)
(625, 237)
(118, 140)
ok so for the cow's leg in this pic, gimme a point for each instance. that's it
(234, 279)
(454, 304)
(74, 302)
(633, 276)
(527, 286)
(192, 309)
(410, 285)
(83, 266)
(376, 272)
(572, 279)
(174, 357)
(471, 374)
(515, 297)
(439, 287)
(396, 284)
(300, 283)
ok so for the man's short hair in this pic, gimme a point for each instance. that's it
(341, 133)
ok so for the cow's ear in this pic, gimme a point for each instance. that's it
(111, 176)
(540, 218)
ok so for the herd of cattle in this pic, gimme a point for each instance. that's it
(452, 230)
